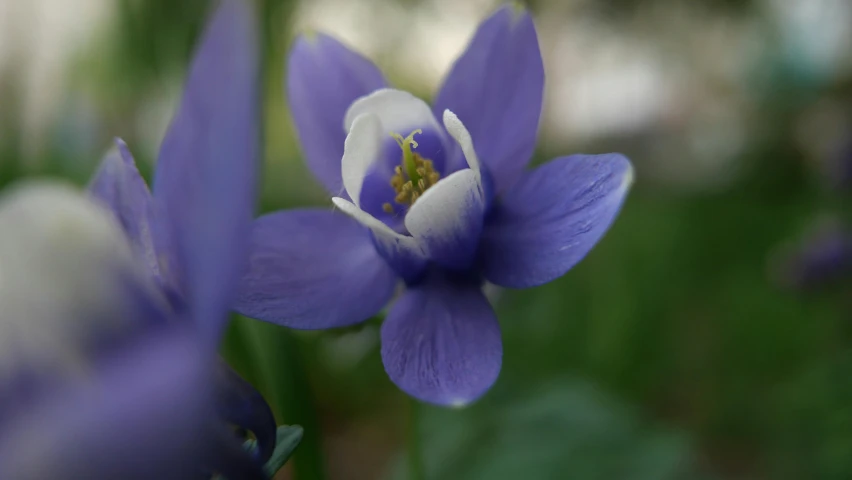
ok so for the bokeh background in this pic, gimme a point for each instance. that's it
(708, 336)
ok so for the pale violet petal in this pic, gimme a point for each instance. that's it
(324, 77)
(496, 88)
(361, 149)
(313, 269)
(459, 132)
(447, 219)
(552, 217)
(441, 342)
(399, 111)
(118, 186)
(205, 183)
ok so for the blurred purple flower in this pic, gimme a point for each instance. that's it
(154, 401)
(437, 217)
(840, 168)
(96, 381)
(824, 256)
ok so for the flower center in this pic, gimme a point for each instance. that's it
(414, 176)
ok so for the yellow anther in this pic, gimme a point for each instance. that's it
(414, 175)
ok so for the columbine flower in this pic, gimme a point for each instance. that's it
(192, 231)
(95, 382)
(448, 204)
(109, 366)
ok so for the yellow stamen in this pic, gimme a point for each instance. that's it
(415, 174)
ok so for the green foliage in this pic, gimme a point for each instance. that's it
(560, 429)
(813, 438)
(287, 439)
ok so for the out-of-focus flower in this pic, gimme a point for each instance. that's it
(95, 380)
(205, 178)
(112, 316)
(191, 232)
(824, 256)
(437, 217)
(840, 166)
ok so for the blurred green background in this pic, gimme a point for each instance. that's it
(678, 349)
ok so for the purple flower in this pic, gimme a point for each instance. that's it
(840, 168)
(446, 199)
(95, 380)
(822, 257)
(111, 368)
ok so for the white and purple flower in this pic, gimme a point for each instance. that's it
(446, 199)
(114, 302)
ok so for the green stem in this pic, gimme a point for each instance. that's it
(415, 451)
(281, 365)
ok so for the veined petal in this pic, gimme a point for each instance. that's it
(403, 253)
(147, 415)
(399, 111)
(362, 148)
(441, 343)
(206, 176)
(323, 79)
(552, 217)
(447, 219)
(118, 185)
(313, 269)
(496, 88)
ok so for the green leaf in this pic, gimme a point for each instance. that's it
(287, 440)
(560, 429)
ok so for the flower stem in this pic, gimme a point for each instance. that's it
(279, 356)
(415, 452)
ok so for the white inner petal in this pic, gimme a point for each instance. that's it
(399, 111)
(362, 148)
(439, 212)
(383, 233)
(462, 136)
(61, 255)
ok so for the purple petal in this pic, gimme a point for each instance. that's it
(401, 252)
(118, 185)
(146, 416)
(313, 269)
(496, 89)
(323, 79)
(552, 217)
(239, 403)
(441, 343)
(205, 180)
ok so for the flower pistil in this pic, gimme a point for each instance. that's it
(414, 176)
